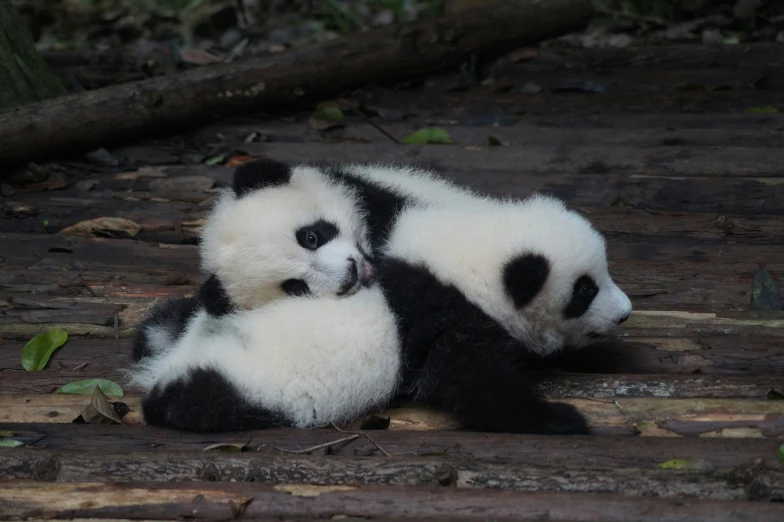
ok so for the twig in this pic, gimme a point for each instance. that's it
(318, 446)
(347, 105)
(80, 367)
(358, 433)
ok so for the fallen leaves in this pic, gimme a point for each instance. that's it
(37, 351)
(99, 411)
(327, 117)
(780, 453)
(431, 135)
(768, 109)
(10, 443)
(231, 447)
(88, 386)
(111, 226)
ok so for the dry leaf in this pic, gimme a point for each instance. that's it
(523, 55)
(227, 446)
(99, 411)
(199, 57)
(144, 172)
(239, 160)
(309, 490)
(103, 224)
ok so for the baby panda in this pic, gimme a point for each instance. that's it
(466, 294)
(276, 233)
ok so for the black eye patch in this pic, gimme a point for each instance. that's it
(316, 235)
(584, 292)
(295, 287)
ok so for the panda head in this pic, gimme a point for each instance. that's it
(285, 230)
(556, 280)
(537, 268)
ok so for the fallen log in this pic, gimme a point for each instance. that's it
(697, 479)
(642, 417)
(225, 501)
(100, 117)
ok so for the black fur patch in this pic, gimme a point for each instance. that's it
(172, 314)
(204, 401)
(584, 292)
(260, 174)
(524, 277)
(382, 205)
(323, 230)
(213, 297)
(295, 287)
(457, 358)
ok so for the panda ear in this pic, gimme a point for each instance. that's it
(524, 277)
(260, 174)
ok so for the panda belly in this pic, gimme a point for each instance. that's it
(296, 362)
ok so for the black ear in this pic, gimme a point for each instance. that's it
(260, 174)
(524, 277)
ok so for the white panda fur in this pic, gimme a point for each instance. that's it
(465, 322)
(297, 361)
(251, 250)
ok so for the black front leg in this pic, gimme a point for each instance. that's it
(478, 382)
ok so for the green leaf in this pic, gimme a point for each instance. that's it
(676, 464)
(774, 395)
(10, 443)
(430, 135)
(326, 117)
(780, 453)
(329, 113)
(87, 387)
(37, 351)
(768, 109)
(216, 159)
(494, 142)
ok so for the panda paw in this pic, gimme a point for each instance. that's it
(564, 419)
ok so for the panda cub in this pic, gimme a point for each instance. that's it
(264, 240)
(466, 295)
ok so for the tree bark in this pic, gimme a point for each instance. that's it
(24, 75)
(100, 117)
(746, 482)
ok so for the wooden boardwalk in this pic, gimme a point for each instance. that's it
(678, 160)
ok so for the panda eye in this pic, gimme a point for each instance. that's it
(311, 240)
(587, 290)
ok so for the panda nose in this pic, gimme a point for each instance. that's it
(623, 319)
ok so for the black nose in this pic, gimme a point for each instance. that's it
(622, 319)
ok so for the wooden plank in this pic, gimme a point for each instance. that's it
(671, 57)
(570, 452)
(521, 132)
(273, 467)
(664, 386)
(646, 417)
(398, 105)
(244, 501)
(668, 162)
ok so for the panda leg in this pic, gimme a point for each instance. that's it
(482, 386)
(204, 401)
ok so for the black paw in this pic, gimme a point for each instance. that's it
(564, 419)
